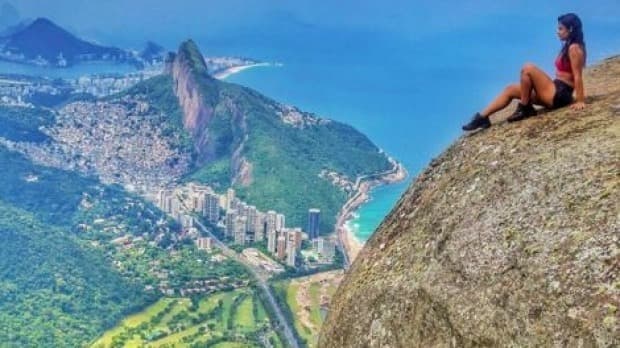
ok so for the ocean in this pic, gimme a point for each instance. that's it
(410, 95)
(407, 74)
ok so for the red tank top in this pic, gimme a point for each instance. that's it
(563, 65)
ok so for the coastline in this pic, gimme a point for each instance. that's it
(223, 74)
(351, 246)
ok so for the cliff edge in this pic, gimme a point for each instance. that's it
(509, 238)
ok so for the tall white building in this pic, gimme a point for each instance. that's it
(242, 209)
(223, 202)
(281, 247)
(291, 252)
(280, 222)
(240, 225)
(297, 237)
(231, 216)
(162, 198)
(272, 241)
(212, 207)
(252, 215)
(270, 220)
(230, 197)
(259, 227)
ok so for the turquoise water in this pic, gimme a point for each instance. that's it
(370, 215)
(409, 94)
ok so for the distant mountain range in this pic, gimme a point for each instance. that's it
(42, 42)
(153, 52)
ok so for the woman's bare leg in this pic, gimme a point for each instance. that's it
(508, 94)
(534, 79)
(535, 87)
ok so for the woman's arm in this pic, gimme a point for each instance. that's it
(576, 61)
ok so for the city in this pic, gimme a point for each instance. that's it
(243, 225)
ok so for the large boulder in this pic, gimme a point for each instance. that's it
(510, 238)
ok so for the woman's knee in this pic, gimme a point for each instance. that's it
(527, 67)
(513, 90)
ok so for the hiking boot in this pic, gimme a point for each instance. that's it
(476, 122)
(522, 112)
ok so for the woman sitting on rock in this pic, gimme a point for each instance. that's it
(536, 87)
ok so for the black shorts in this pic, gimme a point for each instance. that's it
(563, 94)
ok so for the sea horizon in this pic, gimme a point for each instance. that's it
(406, 76)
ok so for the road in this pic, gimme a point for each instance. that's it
(344, 211)
(262, 281)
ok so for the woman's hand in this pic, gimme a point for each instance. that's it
(578, 106)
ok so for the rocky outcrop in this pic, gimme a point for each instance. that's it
(199, 98)
(197, 113)
(510, 238)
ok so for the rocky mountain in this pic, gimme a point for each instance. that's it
(510, 238)
(45, 43)
(273, 154)
(153, 53)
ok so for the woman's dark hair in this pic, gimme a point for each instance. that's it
(572, 22)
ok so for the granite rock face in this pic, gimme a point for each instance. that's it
(186, 68)
(510, 238)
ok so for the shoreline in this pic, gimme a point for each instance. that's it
(351, 246)
(223, 74)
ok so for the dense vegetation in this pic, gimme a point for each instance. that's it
(50, 278)
(53, 290)
(57, 231)
(22, 123)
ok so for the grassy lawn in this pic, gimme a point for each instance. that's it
(232, 345)
(244, 316)
(261, 314)
(307, 315)
(228, 300)
(315, 311)
(182, 324)
(133, 321)
(177, 338)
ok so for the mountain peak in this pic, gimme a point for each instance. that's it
(46, 25)
(43, 21)
(190, 54)
(45, 42)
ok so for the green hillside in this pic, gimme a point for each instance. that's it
(53, 290)
(286, 159)
(22, 124)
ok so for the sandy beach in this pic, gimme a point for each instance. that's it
(236, 69)
(351, 245)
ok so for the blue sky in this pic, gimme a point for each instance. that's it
(171, 21)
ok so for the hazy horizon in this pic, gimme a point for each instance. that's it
(130, 25)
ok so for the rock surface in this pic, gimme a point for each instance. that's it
(197, 113)
(509, 238)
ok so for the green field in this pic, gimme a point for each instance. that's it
(226, 320)
(307, 318)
